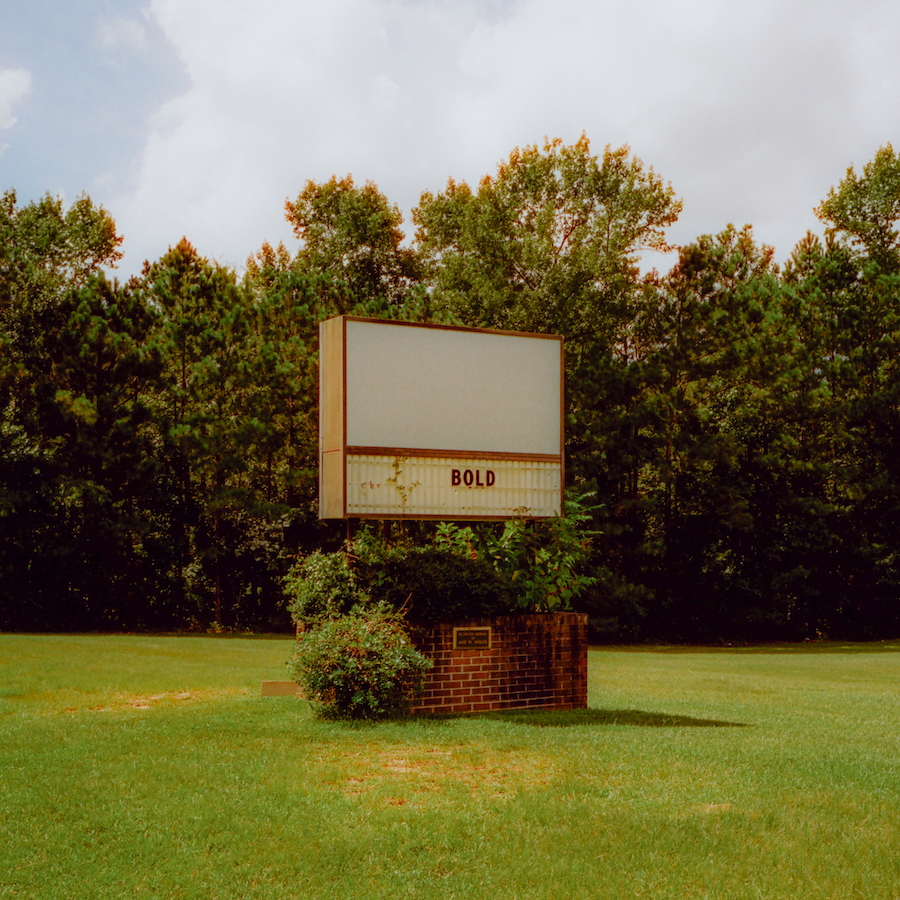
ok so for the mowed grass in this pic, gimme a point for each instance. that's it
(142, 766)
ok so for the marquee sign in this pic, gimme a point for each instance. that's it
(425, 421)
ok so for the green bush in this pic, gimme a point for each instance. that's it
(543, 561)
(322, 586)
(432, 584)
(429, 584)
(361, 665)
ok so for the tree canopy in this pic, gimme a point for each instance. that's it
(353, 234)
(549, 243)
(736, 422)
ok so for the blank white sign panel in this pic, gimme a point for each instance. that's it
(441, 389)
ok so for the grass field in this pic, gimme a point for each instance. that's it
(142, 766)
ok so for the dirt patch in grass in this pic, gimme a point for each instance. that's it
(121, 702)
(427, 776)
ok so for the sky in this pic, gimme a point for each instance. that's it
(199, 118)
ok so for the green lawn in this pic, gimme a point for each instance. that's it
(142, 766)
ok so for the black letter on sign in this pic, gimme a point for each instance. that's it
(478, 478)
(454, 477)
(467, 477)
(489, 476)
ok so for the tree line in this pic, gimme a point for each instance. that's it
(736, 421)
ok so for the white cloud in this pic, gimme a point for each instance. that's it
(14, 85)
(752, 111)
(122, 33)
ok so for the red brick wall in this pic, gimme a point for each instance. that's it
(534, 661)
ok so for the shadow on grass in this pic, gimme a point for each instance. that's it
(548, 718)
(807, 647)
(543, 718)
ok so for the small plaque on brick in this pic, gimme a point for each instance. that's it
(478, 638)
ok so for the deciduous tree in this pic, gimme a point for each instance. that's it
(353, 233)
(549, 243)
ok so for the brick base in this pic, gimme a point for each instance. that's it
(535, 661)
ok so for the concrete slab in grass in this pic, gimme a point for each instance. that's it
(280, 689)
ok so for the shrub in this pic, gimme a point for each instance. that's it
(433, 584)
(543, 561)
(360, 666)
(322, 586)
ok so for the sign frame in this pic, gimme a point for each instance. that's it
(337, 454)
